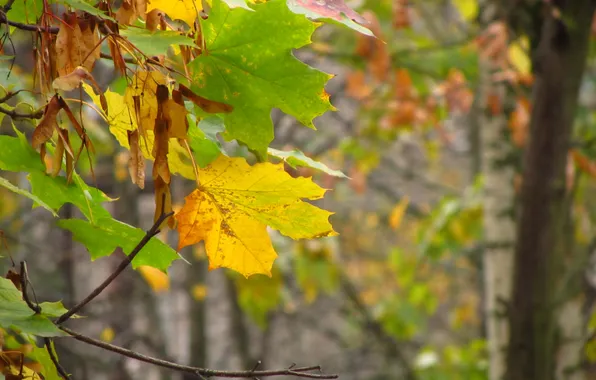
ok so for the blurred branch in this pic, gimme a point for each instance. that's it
(17, 115)
(302, 372)
(375, 327)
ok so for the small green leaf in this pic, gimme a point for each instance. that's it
(24, 11)
(5, 183)
(107, 234)
(155, 43)
(14, 313)
(296, 158)
(41, 355)
(86, 7)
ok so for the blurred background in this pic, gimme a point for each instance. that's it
(401, 292)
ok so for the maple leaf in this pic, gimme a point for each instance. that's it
(235, 203)
(332, 9)
(185, 10)
(251, 67)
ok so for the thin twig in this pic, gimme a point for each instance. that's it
(151, 233)
(9, 95)
(24, 279)
(297, 372)
(28, 27)
(8, 5)
(48, 343)
(17, 115)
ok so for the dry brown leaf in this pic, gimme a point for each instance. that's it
(162, 194)
(209, 106)
(356, 85)
(156, 18)
(76, 44)
(519, 122)
(401, 14)
(136, 162)
(161, 142)
(44, 130)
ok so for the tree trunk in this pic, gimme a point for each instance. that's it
(498, 171)
(559, 62)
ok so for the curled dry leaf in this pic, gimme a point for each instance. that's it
(130, 10)
(44, 130)
(209, 106)
(73, 80)
(156, 18)
(161, 144)
(136, 162)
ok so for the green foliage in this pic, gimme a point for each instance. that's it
(105, 235)
(250, 66)
(15, 313)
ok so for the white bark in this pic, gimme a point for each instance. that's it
(499, 234)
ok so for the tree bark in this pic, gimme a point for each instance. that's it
(498, 171)
(559, 62)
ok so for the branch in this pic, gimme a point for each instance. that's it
(29, 27)
(37, 309)
(303, 372)
(375, 328)
(151, 233)
(17, 115)
(48, 343)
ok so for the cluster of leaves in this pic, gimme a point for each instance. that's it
(190, 74)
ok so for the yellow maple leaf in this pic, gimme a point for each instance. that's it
(185, 10)
(236, 202)
(158, 280)
(121, 118)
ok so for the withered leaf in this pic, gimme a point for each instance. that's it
(136, 163)
(163, 200)
(44, 130)
(156, 18)
(209, 106)
(76, 44)
(161, 143)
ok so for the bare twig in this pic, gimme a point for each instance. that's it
(151, 233)
(17, 115)
(24, 279)
(303, 372)
(37, 309)
(8, 6)
(28, 27)
(48, 343)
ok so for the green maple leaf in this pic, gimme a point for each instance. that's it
(102, 238)
(249, 64)
(14, 313)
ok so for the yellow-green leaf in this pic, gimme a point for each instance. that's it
(236, 202)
